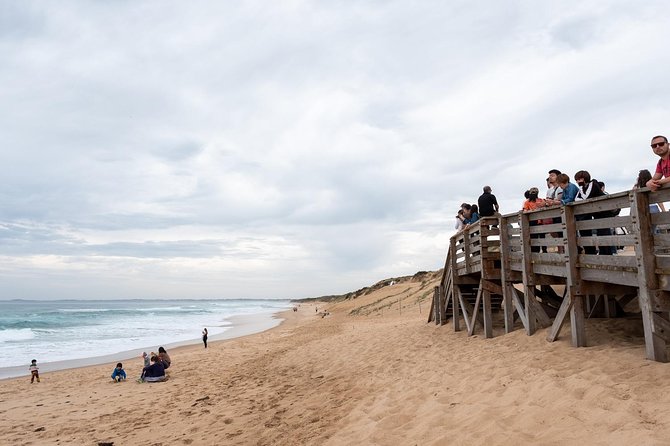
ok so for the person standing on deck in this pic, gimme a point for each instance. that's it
(589, 188)
(487, 203)
(659, 144)
(554, 191)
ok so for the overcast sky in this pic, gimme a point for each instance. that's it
(290, 149)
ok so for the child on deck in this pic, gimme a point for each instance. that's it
(34, 371)
(119, 374)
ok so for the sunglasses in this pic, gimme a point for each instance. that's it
(658, 144)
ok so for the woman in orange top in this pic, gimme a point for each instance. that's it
(532, 203)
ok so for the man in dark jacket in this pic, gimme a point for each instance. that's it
(487, 202)
(589, 188)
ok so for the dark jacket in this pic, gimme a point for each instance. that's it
(155, 370)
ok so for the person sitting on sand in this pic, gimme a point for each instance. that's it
(164, 357)
(155, 372)
(119, 374)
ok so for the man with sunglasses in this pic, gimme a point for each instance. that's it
(659, 144)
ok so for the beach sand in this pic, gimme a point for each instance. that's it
(367, 373)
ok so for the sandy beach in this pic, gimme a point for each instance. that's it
(371, 371)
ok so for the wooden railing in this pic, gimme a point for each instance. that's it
(558, 245)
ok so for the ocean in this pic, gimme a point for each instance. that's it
(69, 330)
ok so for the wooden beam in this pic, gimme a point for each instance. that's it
(521, 311)
(491, 287)
(528, 276)
(660, 300)
(475, 312)
(555, 330)
(431, 313)
(466, 308)
(655, 343)
(456, 316)
(506, 274)
(661, 327)
(486, 313)
(573, 279)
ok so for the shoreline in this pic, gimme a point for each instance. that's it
(241, 325)
(368, 370)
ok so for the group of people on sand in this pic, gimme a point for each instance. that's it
(560, 191)
(153, 369)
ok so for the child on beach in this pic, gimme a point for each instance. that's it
(119, 374)
(34, 371)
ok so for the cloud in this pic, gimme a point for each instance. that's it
(298, 148)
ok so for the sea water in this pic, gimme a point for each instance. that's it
(73, 329)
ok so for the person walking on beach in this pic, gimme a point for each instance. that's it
(659, 144)
(204, 336)
(34, 374)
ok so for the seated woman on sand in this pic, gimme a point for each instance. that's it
(164, 357)
(155, 372)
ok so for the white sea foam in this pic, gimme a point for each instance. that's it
(52, 332)
(16, 335)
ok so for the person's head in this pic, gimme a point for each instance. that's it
(467, 210)
(562, 180)
(582, 178)
(526, 194)
(34, 361)
(487, 189)
(161, 350)
(533, 193)
(119, 365)
(474, 209)
(601, 185)
(144, 354)
(154, 358)
(659, 144)
(553, 175)
(643, 177)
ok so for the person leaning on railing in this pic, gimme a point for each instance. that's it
(659, 144)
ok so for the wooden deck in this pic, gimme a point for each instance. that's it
(512, 266)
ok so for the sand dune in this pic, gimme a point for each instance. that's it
(369, 373)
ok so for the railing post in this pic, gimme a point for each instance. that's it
(455, 286)
(528, 276)
(506, 273)
(655, 343)
(573, 279)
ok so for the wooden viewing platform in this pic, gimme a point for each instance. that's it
(507, 265)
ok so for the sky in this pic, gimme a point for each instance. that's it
(207, 149)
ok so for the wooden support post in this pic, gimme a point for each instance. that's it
(555, 330)
(475, 312)
(506, 274)
(528, 275)
(486, 313)
(466, 308)
(443, 304)
(436, 306)
(431, 312)
(654, 334)
(573, 281)
(456, 316)
(455, 280)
